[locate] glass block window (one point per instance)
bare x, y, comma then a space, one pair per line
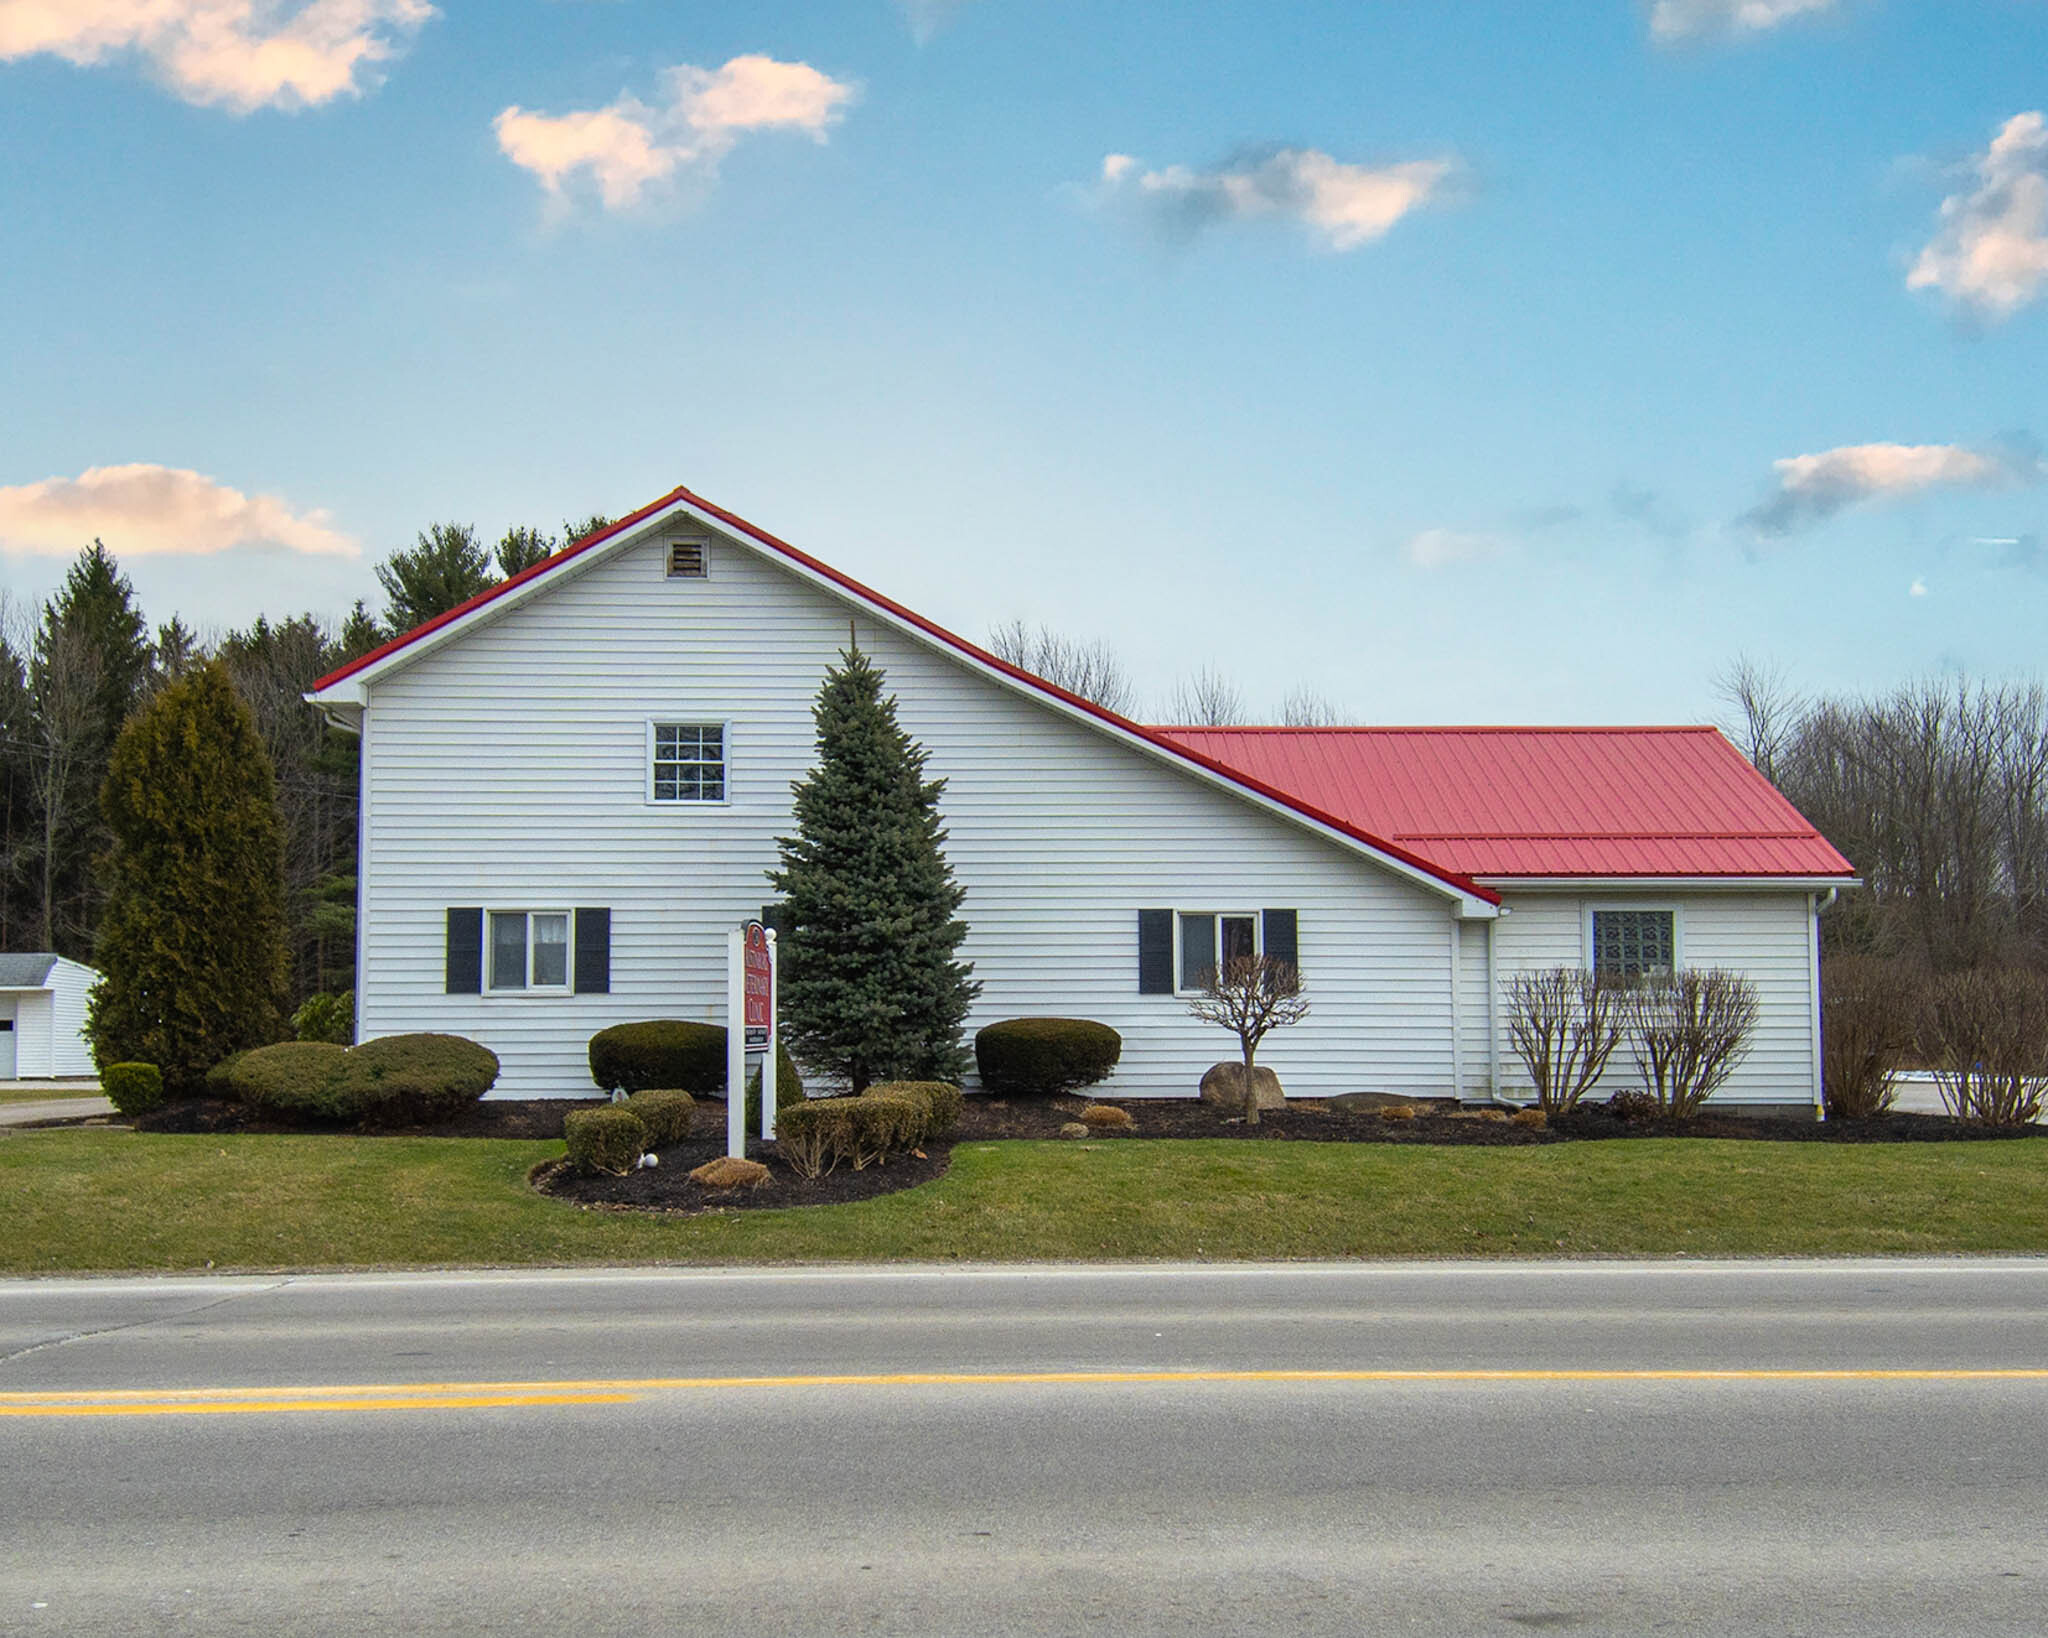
689, 762
1633, 943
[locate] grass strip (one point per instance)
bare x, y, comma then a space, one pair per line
107, 1200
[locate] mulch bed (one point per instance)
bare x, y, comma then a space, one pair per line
509, 1118
667, 1187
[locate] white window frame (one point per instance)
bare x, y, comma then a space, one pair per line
529, 988
1258, 921
1589, 951
685, 803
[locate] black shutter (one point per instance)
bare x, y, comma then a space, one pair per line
466, 952
1155, 952
1281, 941
593, 952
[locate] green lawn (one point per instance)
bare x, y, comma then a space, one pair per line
106, 1200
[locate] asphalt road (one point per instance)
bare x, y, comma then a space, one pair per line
1445, 1449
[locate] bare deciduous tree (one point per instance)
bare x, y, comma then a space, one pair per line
1689, 1031
1251, 996
64, 695
1768, 710
1868, 1007
1564, 1024
1207, 699
1090, 670
1985, 1035
1305, 708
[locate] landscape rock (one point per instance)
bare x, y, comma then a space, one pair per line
730, 1172
1073, 1129
1223, 1086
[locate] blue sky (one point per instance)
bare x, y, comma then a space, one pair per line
1462, 362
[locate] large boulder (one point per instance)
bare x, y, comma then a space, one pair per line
1224, 1086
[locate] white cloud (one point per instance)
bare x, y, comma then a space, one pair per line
1439, 548
1345, 205
1690, 19
236, 54
1991, 252
142, 510
627, 147
1917, 589
1812, 488
927, 17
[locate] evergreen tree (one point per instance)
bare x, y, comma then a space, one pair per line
870, 987
445, 567
574, 530
192, 946
89, 666
522, 548
359, 634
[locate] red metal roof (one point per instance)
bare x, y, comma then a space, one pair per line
1515, 802
980, 656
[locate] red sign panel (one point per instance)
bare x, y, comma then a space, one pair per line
758, 996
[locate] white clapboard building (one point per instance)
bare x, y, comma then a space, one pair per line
572, 788
42, 1016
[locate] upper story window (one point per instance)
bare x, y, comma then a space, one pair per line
687, 761
1635, 943
529, 950
1211, 940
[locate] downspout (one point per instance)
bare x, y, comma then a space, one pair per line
1457, 1012
1493, 1011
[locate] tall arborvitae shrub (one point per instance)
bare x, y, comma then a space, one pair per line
870, 988
192, 945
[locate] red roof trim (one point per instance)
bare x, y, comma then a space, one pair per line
980, 655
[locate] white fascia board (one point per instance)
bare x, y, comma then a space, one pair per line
1469, 906
1665, 884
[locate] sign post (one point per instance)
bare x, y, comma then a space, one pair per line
771, 1090
750, 1005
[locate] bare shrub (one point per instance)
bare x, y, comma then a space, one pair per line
1251, 996
1985, 1035
1868, 1008
1689, 1031
1564, 1024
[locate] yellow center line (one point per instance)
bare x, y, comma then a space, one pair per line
215, 1401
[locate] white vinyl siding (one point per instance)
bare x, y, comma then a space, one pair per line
1059, 834
49, 1023
1762, 934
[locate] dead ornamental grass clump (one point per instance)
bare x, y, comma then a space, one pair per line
1398, 1112
730, 1172
1104, 1118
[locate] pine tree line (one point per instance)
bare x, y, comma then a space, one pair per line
76, 668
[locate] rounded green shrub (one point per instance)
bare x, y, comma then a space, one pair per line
396, 1080
415, 1079
940, 1102
665, 1113
133, 1089
660, 1052
1043, 1057
609, 1138
327, 1018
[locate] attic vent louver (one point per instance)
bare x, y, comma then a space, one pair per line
686, 560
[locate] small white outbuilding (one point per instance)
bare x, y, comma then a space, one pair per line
42, 1017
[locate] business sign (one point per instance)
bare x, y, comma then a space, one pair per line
757, 1012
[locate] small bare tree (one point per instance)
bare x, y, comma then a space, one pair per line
1689, 1031
1985, 1035
1208, 699
1251, 996
1868, 1008
1564, 1024
1305, 708
1090, 670
64, 695
1769, 708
